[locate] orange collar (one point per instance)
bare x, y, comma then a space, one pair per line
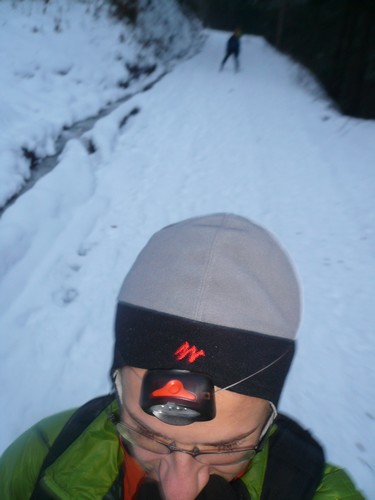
133, 475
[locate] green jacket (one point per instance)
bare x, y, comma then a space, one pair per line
90, 468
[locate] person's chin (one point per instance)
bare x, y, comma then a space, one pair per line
228, 476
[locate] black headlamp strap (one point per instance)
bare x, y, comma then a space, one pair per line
255, 373
178, 397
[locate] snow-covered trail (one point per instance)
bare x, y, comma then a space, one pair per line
255, 143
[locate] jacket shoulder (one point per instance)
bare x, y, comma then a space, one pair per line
263, 481
22, 460
337, 485
86, 459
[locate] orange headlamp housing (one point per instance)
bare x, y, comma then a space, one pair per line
178, 397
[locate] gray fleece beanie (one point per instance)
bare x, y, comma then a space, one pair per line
216, 295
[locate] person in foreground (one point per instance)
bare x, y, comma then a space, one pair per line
205, 333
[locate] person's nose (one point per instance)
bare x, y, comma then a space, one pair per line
181, 477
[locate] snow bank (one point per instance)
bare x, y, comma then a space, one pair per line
63, 61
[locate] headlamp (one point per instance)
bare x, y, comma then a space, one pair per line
178, 397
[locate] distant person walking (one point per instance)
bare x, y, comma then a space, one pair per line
233, 49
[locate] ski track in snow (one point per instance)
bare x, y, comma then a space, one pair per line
206, 141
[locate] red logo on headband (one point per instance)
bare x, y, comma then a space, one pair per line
192, 352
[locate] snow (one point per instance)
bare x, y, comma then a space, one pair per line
264, 143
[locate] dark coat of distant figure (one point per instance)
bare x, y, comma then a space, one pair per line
232, 49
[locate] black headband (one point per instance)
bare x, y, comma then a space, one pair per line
154, 340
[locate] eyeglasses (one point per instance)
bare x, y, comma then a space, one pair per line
231, 456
